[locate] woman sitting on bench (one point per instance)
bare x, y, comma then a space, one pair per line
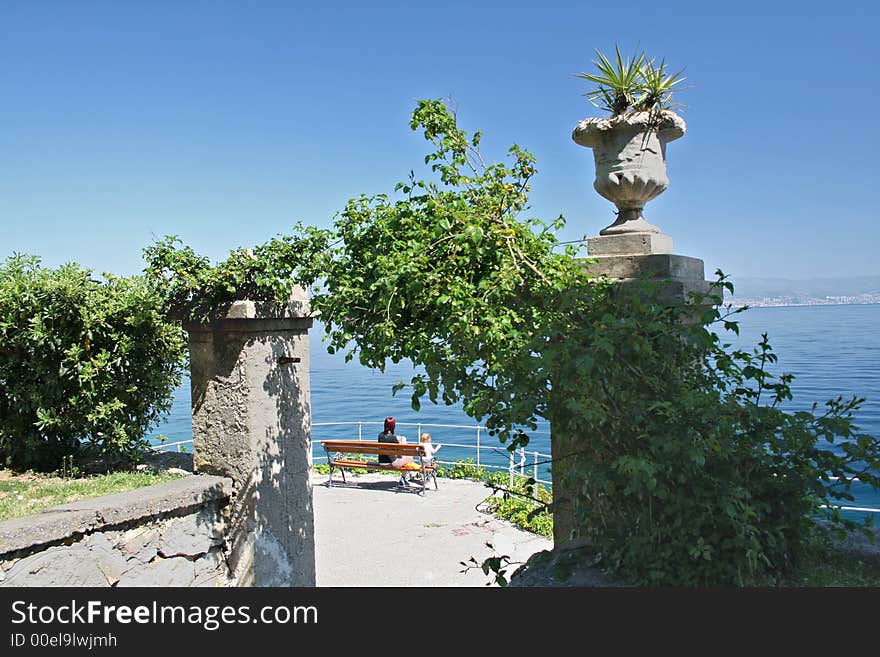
396, 462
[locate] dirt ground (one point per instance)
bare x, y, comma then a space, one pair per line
9, 475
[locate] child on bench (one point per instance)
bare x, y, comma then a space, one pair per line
427, 460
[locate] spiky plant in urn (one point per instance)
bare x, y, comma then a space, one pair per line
629, 147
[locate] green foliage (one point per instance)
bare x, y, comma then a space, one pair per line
635, 83
84, 364
657, 86
828, 564
619, 83
694, 475
518, 505
497, 564
195, 290
446, 275
682, 465
522, 502
463, 469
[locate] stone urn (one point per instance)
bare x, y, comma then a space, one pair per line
630, 154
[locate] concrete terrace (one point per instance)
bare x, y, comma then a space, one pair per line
362, 527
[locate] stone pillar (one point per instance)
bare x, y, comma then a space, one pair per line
251, 412
626, 258
630, 257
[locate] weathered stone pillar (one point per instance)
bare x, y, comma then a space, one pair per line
627, 258
252, 423
631, 257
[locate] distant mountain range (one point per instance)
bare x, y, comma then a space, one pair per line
755, 291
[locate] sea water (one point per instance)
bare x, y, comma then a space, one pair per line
831, 350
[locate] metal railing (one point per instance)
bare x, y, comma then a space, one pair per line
520, 462
179, 445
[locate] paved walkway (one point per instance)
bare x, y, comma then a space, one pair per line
362, 526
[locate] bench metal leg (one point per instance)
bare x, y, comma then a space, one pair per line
330, 475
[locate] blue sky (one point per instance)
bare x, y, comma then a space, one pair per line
225, 123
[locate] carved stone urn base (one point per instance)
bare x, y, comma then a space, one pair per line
628, 222
629, 244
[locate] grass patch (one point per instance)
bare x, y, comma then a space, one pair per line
26, 494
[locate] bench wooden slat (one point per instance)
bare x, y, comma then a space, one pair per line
343, 463
370, 447
373, 465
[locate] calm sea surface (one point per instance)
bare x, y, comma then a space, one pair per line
831, 350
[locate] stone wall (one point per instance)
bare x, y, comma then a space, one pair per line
170, 534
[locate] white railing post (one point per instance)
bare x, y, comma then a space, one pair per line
510, 469
535, 477
522, 461
478, 447
419, 432
360, 430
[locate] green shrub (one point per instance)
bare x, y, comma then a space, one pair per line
463, 469
523, 513
85, 365
194, 289
523, 502
516, 501
693, 474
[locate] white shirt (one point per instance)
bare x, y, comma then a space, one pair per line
430, 449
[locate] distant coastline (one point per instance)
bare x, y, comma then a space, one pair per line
764, 292
775, 302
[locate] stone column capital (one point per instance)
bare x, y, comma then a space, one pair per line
257, 316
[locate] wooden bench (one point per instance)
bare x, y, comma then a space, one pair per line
337, 449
